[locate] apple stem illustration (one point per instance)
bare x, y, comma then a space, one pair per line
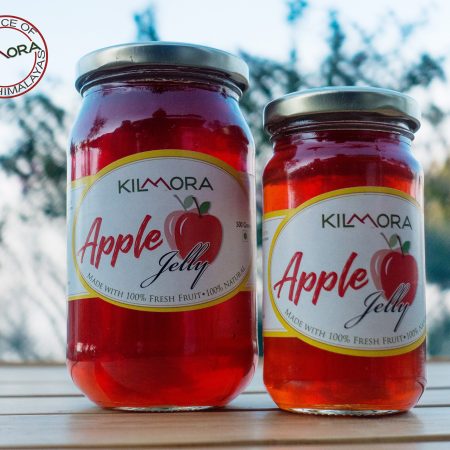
401, 244
386, 239
198, 206
202, 208
396, 239
179, 200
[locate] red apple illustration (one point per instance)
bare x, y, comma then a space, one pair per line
391, 268
185, 229
171, 220
375, 266
169, 227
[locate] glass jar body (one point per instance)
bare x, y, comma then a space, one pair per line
158, 358
300, 373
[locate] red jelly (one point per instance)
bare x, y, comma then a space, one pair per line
344, 311
161, 229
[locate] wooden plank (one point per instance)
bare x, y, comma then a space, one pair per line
55, 380
435, 397
257, 383
438, 375
81, 405
59, 373
36, 381
218, 429
245, 402
262, 401
31, 374
39, 389
44, 402
49, 405
408, 446
331, 446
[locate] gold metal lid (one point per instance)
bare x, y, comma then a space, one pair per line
312, 103
104, 62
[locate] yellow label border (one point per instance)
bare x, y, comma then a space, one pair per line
291, 331
90, 180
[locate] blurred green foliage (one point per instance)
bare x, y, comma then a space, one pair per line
37, 158
437, 213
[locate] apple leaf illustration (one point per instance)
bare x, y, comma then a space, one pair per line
204, 207
188, 201
405, 247
393, 241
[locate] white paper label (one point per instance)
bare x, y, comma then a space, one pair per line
345, 272
163, 231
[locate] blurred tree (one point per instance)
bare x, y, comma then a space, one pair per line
33, 283
438, 336
360, 62
37, 157
145, 22
352, 56
437, 212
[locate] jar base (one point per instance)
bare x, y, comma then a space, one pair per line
344, 412
160, 409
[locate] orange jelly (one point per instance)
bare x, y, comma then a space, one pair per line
161, 311
344, 306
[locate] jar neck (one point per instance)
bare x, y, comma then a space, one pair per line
164, 79
339, 133
342, 121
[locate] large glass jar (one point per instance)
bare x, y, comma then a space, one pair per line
161, 229
344, 305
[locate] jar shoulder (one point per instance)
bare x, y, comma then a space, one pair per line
116, 122
364, 158
159, 110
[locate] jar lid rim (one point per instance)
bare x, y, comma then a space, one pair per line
161, 54
312, 103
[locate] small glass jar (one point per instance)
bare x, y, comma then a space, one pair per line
161, 228
344, 300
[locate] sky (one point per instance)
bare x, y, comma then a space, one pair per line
75, 28
72, 29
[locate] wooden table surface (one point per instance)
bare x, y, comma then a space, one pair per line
41, 408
